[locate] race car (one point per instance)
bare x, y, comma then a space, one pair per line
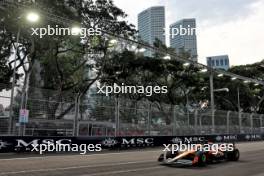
199, 157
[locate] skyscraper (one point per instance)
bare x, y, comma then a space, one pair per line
151, 24
183, 36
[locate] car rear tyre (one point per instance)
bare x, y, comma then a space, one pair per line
201, 159
234, 155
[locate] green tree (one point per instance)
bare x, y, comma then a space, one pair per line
251, 95
63, 59
183, 82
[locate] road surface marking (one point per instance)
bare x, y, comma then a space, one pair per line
123, 171
74, 155
73, 167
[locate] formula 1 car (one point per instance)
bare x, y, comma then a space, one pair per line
198, 158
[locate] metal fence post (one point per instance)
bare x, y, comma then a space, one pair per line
117, 116
195, 121
228, 122
261, 122
76, 114
149, 117
213, 131
174, 120
199, 118
240, 121
251, 122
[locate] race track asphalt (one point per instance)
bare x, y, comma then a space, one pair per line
129, 163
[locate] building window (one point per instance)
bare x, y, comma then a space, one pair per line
221, 62
208, 63
217, 62
226, 61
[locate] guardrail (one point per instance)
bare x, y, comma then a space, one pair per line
26, 143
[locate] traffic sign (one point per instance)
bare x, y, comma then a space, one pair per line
23, 116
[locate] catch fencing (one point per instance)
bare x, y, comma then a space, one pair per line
55, 113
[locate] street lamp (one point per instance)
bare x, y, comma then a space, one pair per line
217, 90
204, 70
133, 47
220, 75
113, 41
221, 90
186, 64
31, 17
76, 30
167, 57
141, 50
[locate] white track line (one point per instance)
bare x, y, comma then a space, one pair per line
95, 154
72, 167
75, 155
123, 171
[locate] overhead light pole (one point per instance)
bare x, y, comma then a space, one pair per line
10, 126
239, 110
212, 90
31, 17
212, 100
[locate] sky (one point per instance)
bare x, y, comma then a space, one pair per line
233, 27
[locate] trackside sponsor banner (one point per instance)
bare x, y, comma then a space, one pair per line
27, 143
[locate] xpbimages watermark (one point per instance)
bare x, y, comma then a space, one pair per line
62, 31
125, 89
59, 147
181, 31
210, 147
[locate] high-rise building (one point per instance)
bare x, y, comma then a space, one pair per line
183, 36
151, 25
220, 62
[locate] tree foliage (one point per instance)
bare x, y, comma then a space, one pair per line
59, 62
